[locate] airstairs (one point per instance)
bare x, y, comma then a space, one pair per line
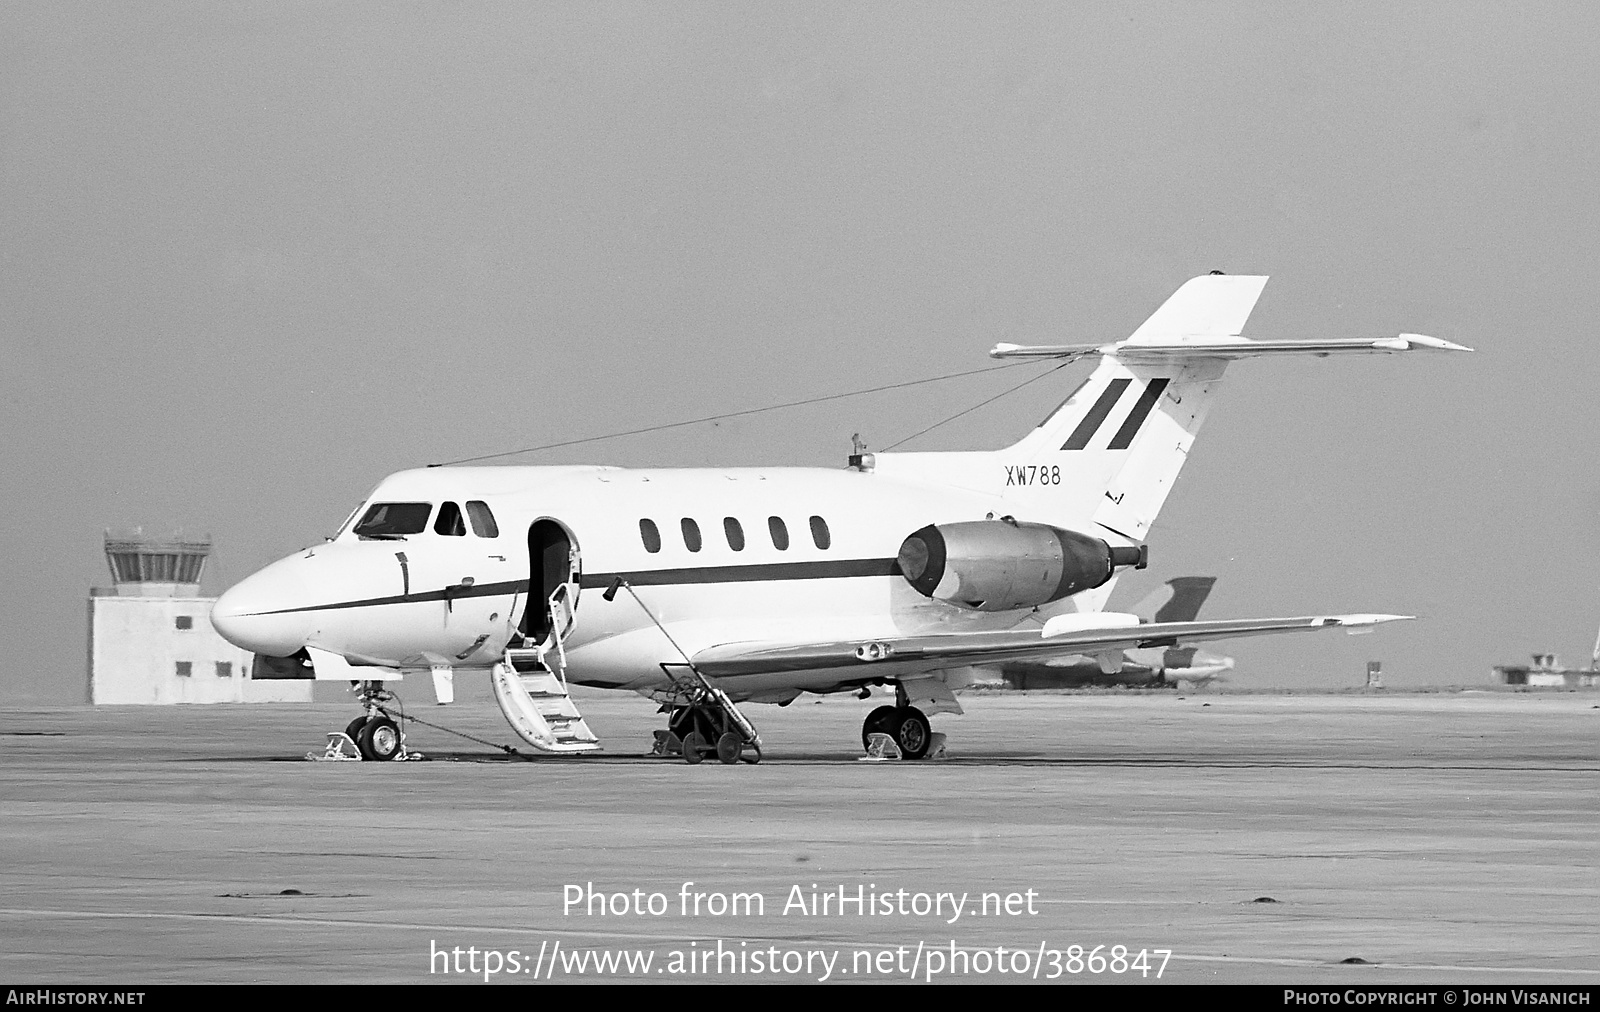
531, 687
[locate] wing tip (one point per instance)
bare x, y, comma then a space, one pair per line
1364, 620
1436, 343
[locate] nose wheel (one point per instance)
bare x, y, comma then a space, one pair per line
377, 738
380, 740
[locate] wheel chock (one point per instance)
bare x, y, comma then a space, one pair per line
881, 748
666, 745
335, 750
341, 749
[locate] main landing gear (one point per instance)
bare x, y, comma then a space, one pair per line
906, 724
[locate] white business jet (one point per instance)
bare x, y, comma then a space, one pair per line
702, 588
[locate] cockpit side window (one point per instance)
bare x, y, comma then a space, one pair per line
450, 522
394, 519
483, 524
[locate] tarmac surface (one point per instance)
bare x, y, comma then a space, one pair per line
1439, 838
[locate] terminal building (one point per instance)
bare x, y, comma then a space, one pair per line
1546, 672
150, 634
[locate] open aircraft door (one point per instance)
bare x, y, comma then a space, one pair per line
555, 568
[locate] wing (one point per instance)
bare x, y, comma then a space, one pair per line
893, 656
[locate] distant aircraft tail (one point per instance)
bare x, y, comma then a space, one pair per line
1177, 600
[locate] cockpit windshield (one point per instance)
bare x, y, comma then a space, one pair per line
394, 520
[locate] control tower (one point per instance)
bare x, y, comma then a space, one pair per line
148, 567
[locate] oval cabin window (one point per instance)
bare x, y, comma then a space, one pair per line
650, 534
819, 533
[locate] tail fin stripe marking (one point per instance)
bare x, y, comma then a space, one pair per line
1136, 417
1096, 417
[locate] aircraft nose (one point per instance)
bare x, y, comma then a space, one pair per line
258, 613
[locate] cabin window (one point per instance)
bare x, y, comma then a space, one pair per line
483, 524
735, 532
450, 522
184, 669
650, 534
780, 533
394, 519
184, 621
691, 534
224, 669
819, 533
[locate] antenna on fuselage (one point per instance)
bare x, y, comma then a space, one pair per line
859, 458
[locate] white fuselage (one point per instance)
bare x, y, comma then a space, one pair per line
457, 600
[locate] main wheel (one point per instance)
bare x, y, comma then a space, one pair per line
729, 746
353, 729
878, 721
693, 748
913, 735
379, 739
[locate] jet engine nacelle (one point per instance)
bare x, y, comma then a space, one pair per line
999, 565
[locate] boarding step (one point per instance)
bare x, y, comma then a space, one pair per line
526, 659
536, 705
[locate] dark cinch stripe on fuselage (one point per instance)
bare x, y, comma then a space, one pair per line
760, 572
827, 570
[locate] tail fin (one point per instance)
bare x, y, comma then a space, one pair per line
1105, 460
1177, 600
1113, 449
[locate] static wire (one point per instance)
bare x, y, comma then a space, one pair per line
777, 407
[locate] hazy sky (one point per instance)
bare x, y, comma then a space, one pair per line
255, 256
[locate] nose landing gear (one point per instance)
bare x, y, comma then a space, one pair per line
373, 737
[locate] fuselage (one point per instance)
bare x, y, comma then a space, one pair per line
715, 555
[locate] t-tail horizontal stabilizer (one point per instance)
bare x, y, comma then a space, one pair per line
1203, 319
1225, 347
